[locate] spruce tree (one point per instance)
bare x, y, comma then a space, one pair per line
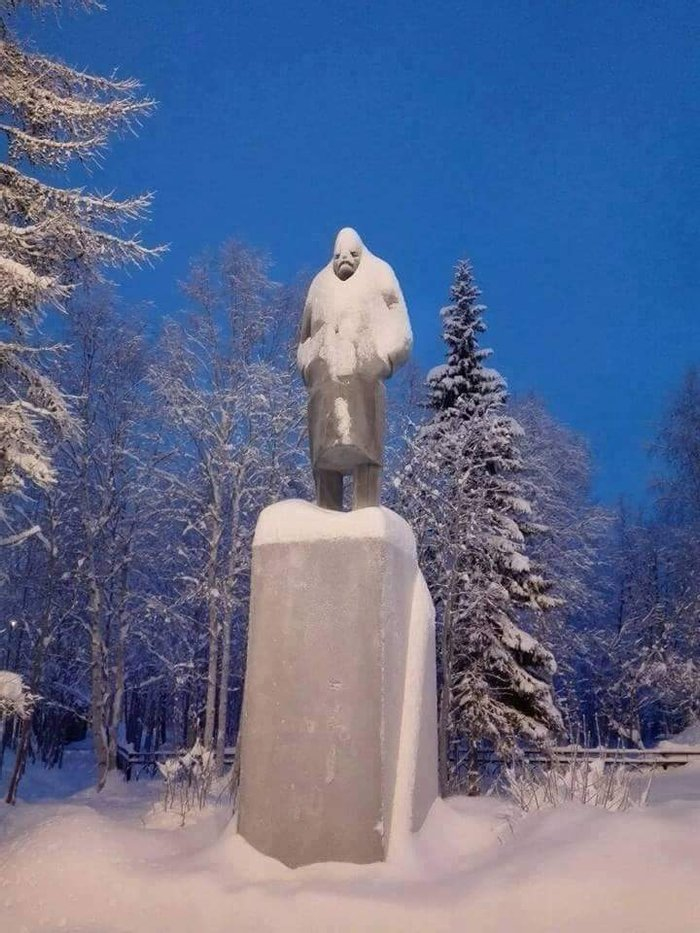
473, 521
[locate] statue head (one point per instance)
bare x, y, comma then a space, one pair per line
347, 253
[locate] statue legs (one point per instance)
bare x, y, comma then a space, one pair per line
329, 489
367, 481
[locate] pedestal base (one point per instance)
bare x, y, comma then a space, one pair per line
338, 736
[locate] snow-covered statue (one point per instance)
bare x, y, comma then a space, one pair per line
355, 333
338, 762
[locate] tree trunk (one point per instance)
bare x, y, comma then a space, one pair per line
443, 739
223, 694
229, 585
20, 761
97, 691
213, 623
38, 653
118, 696
210, 709
445, 694
473, 775
118, 700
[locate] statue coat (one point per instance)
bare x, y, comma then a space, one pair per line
354, 334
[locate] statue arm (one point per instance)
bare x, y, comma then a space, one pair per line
304, 335
399, 334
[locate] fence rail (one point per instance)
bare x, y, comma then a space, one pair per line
633, 757
145, 763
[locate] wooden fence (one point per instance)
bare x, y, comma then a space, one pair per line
145, 763
631, 757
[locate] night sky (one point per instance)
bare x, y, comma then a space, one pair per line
554, 143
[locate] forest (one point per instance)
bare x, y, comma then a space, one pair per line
226, 703
139, 445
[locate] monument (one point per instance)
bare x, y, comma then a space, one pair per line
354, 333
338, 744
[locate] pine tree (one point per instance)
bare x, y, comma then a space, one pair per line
462, 480
50, 237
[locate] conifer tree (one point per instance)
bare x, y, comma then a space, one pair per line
50, 237
473, 521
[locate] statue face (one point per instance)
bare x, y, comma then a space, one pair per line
346, 253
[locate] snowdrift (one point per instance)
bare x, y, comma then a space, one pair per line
101, 864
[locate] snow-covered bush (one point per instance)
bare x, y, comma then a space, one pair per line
15, 697
188, 780
587, 780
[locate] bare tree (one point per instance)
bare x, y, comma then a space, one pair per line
100, 502
234, 410
573, 542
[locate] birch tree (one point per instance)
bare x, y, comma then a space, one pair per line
104, 371
234, 410
575, 547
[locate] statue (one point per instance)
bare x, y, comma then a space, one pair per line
355, 333
338, 737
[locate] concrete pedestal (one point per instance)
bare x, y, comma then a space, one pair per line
338, 736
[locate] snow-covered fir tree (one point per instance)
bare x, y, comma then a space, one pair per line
50, 237
461, 488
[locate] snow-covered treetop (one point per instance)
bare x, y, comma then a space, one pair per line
50, 237
51, 4
463, 383
15, 698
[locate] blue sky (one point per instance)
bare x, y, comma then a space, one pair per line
555, 143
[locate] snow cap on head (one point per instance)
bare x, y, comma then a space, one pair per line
347, 253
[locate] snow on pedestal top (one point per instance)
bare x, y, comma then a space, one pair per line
297, 520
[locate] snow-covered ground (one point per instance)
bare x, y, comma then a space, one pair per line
72, 860
689, 738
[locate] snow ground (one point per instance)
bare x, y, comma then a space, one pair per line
689, 738
73, 860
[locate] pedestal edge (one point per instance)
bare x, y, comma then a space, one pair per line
294, 520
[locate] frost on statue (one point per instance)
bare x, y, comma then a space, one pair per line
354, 334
